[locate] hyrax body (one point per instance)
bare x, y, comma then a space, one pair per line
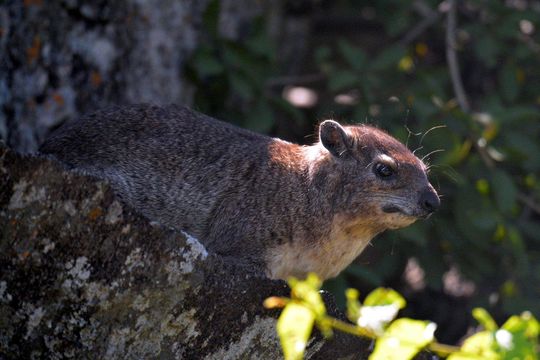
287, 208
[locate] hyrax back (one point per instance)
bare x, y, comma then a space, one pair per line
287, 208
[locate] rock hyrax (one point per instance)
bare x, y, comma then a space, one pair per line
285, 208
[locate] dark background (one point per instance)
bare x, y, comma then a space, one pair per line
458, 81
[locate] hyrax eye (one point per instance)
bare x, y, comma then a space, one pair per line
383, 171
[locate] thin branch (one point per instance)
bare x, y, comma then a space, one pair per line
529, 202
430, 18
451, 57
421, 7
443, 349
531, 44
486, 158
349, 328
416, 31
440, 349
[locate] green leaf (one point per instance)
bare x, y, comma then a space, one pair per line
308, 291
240, 60
355, 56
294, 327
530, 229
207, 65
479, 346
487, 49
457, 154
425, 107
343, 79
526, 147
353, 305
518, 337
474, 213
388, 58
482, 186
403, 339
398, 20
508, 26
513, 114
241, 86
261, 119
504, 190
296, 321
515, 240
508, 84
290, 110
484, 319
385, 296
322, 54
261, 45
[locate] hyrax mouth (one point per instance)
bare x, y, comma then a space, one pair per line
393, 209
390, 209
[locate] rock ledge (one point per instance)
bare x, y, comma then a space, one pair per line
84, 276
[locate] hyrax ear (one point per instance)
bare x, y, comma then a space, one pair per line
334, 137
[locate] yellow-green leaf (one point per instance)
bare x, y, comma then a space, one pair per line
206, 64
483, 317
384, 296
308, 291
294, 328
403, 339
353, 305
518, 337
479, 346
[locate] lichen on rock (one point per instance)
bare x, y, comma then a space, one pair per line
84, 276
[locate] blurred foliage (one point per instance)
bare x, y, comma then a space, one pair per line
399, 339
230, 76
488, 170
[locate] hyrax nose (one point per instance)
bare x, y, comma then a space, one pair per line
429, 200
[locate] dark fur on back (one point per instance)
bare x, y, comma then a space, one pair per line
188, 171
243, 194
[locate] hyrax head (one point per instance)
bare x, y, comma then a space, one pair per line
378, 181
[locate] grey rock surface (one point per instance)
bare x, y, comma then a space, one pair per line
83, 276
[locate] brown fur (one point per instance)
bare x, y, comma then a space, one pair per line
287, 208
